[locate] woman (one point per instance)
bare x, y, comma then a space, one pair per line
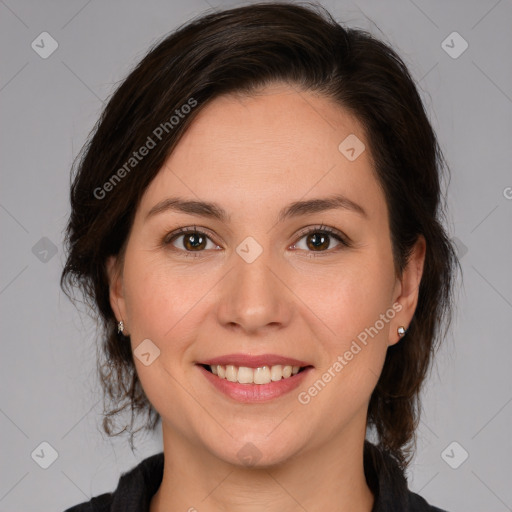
257, 220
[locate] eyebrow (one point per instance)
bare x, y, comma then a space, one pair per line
295, 209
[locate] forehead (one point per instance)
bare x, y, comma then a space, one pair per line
274, 118
267, 148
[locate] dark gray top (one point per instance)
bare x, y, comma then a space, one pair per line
136, 487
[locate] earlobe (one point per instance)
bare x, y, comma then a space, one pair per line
409, 286
411, 276
116, 295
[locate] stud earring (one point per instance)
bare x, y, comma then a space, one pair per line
401, 331
120, 327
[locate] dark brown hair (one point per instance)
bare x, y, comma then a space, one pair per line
242, 50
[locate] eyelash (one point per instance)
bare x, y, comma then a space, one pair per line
326, 230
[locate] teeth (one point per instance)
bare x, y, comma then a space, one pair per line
261, 375
245, 375
231, 373
276, 372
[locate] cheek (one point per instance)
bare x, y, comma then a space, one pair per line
351, 298
356, 306
160, 307
159, 301
354, 347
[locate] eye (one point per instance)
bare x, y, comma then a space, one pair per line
192, 240
319, 238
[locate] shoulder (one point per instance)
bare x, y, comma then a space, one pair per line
134, 490
418, 504
387, 481
100, 503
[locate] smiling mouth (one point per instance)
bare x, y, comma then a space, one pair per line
260, 375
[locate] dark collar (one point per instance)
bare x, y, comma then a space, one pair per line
138, 486
389, 485
386, 481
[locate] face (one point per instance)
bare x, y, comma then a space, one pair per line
266, 286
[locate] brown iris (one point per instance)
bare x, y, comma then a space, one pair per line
321, 241
192, 239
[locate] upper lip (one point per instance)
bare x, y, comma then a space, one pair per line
254, 361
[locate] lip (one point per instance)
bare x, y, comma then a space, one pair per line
255, 393
254, 361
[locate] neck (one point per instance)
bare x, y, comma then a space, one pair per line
327, 477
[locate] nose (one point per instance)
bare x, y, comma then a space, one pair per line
254, 297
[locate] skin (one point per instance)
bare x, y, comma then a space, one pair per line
253, 156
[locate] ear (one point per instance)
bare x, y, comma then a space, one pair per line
116, 289
407, 289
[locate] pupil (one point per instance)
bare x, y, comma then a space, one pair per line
320, 240
190, 240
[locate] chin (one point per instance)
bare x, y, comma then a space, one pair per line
257, 449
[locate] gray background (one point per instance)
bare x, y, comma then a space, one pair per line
48, 387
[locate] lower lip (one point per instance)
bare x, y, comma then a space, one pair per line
248, 393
